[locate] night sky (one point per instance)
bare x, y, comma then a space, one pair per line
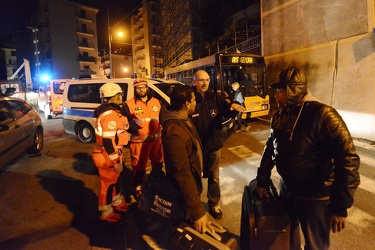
16, 15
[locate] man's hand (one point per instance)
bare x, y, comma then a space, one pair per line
237, 107
202, 224
118, 167
338, 223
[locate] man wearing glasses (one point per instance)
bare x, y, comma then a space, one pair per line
142, 112
207, 118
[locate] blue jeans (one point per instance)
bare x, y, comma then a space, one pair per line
211, 166
312, 217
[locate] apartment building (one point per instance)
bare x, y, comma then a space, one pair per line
167, 33
10, 57
67, 39
146, 49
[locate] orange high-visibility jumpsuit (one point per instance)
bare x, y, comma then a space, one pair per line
146, 144
110, 128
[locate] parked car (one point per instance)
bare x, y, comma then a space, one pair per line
21, 129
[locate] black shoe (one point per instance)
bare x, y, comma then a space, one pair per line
215, 211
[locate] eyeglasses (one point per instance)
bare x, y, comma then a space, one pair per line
140, 88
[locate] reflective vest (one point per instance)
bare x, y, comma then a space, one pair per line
146, 115
112, 125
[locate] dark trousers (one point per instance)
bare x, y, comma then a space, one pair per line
240, 121
211, 166
312, 217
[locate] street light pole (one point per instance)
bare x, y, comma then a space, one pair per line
109, 45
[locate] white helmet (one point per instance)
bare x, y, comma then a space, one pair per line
109, 89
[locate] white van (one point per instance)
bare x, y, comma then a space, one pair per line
50, 97
81, 97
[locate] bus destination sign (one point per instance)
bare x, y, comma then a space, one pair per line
238, 59
242, 59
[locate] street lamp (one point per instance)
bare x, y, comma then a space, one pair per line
119, 34
110, 35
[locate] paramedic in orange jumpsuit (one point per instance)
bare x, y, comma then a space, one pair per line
111, 136
142, 112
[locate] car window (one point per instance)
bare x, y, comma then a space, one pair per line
166, 88
19, 109
5, 116
89, 93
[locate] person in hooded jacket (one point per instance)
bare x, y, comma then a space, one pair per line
111, 137
314, 154
183, 165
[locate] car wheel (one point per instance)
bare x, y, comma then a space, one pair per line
38, 142
86, 133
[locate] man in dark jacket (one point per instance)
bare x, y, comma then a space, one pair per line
183, 164
207, 118
314, 153
184, 161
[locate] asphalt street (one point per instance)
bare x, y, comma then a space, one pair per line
49, 201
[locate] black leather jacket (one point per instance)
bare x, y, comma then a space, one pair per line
314, 154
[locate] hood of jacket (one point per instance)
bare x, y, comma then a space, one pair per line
295, 93
167, 114
104, 107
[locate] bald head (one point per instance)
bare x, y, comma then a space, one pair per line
201, 81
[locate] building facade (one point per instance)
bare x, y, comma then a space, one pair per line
164, 33
168, 33
10, 58
145, 28
333, 42
68, 43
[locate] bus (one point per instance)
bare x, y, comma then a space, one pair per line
50, 97
248, 70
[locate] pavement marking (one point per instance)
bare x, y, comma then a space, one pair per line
360, 218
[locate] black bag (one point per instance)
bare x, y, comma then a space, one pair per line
185, 237
161, 196
264, 222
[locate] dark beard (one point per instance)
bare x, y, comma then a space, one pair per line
137, 95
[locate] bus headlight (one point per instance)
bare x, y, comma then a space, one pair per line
264, 106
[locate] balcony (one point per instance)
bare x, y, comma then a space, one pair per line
85, 46
87, 71
85, 58
85, 19
85, 32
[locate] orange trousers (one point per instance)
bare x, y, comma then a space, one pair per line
109, 185
140, 153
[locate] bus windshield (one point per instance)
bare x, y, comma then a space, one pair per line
250, 78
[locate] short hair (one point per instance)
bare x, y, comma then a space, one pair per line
235, 83
179, 96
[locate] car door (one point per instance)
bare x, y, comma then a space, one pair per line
9, 137
23, 122
17, 128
